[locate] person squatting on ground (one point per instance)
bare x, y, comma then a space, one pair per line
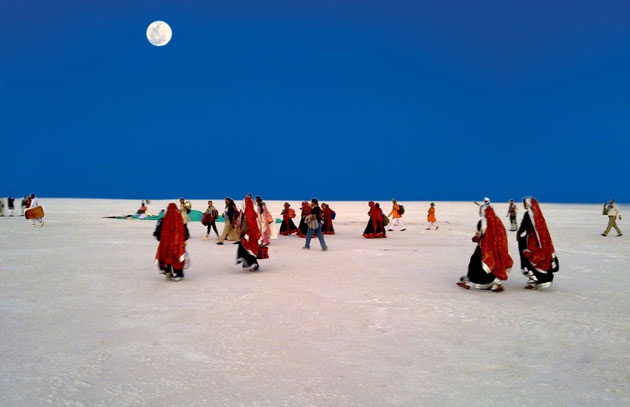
537, 254
431, 217
491, 261
375, 228
250, 237
396, 217
512, 214
613, 212
211, 215
313, 221
171, 251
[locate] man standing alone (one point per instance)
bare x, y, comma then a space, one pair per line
613, 212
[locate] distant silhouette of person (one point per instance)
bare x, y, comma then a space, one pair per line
375, 228
212, 214
512, 214
288, 226
250, 237
316, 213
230, 217
305, 210
11, 205
24, 204
184, 210
431, 217
33, 203
613, 212
396, 217
327, 219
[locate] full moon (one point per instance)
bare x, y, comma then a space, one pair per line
159, 33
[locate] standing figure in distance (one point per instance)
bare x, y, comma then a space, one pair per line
316, 214
303, 227
491, 261
327, 220
265, 220
212, 214
230, 217
431, 217
11, 204
24, 204
250, 236
171, 251
375, 228
613, 213
512, 214
538, 256
32, 203
287, 227
396, 212
184, 209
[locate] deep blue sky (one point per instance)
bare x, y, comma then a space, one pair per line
344, 100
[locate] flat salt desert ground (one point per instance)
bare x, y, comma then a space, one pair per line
87, 320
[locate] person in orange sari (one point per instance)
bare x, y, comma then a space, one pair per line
327, 220
171, 250
491, 261
375, 228
431, 217
250, 237
538, 256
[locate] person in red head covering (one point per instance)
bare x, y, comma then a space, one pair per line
538, 256
375, 228
327, 220
287, 227
303, 227
491, 261
171, 250
250, 237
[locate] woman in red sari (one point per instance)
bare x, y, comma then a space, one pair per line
491, 261
171, 250
288, 227
536, 250
327, 220
303, 227
249, 243
375, 228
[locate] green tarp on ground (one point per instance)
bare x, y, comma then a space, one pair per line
195, 216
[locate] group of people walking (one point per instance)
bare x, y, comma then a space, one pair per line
491, 262
254, 226
379, 224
